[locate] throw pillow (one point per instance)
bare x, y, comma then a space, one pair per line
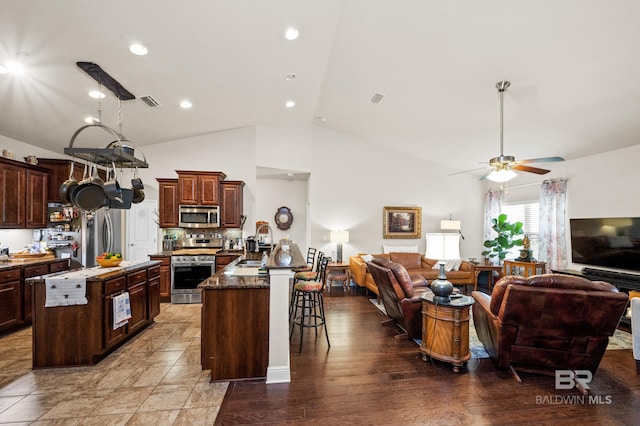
366, 257
451, 265
399, 249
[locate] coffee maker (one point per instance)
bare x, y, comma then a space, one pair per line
250, 244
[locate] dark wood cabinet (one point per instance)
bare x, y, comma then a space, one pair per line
229, 355
23, 195
13, 184
27, 290
59, 171
164, 277
223, 260
138, 301
231, 203
168, 203
197, 188
10, 299
112, 288
154, 296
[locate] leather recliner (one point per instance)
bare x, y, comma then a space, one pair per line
400, 294
548, 322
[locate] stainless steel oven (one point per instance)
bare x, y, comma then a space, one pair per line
187, 272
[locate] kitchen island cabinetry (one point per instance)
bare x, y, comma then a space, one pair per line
168, 203
23, 195
231, 204
196, 188
73, 335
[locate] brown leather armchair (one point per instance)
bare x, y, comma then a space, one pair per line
400, 294
547, 322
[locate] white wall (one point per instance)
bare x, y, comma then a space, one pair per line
274, 193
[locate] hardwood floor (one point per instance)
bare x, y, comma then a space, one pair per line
368, 377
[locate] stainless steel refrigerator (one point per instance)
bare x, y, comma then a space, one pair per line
101, 232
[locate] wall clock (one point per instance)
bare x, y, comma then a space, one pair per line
283, 218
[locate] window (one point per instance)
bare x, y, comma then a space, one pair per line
528, 214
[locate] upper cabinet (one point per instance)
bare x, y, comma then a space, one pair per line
197, 188
168, 203
231, 205
23, 195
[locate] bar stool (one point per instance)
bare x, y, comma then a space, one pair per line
307, 295
312, 275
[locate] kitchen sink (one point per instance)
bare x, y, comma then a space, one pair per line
246, 263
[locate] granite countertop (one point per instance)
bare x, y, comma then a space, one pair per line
196, 251
224, 279
104, 273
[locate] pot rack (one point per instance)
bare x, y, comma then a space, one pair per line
115, 153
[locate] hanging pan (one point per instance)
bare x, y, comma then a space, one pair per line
89, 194
68, 185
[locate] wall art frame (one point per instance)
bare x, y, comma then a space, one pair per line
401, 222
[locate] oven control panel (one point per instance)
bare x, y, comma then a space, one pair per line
192, 259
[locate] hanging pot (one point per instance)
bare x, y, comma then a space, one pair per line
112, 187
89, 195
67, 186
138, 196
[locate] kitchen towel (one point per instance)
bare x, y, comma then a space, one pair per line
65, 291
121, 310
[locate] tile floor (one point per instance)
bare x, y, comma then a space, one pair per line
155, 378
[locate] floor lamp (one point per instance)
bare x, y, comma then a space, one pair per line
339, 237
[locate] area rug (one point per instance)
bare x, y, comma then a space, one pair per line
619, 340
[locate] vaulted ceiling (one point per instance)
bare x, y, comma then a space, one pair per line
573, 66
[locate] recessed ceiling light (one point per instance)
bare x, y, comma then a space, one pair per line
91, 120
291, 34
97, 94
185, 104
138, 49
15, 68
290, 77
290, 104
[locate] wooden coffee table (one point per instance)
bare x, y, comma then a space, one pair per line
445, 330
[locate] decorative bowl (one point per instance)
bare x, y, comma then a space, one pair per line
108, 263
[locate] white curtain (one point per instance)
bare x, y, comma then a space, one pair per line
552, 228
492, 207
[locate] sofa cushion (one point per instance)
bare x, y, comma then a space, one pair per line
402, 277
408, 260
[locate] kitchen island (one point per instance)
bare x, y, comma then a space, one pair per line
84, 333
245, 318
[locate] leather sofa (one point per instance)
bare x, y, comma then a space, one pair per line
400, 294
547, 322
415, 264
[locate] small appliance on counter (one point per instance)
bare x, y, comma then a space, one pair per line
250, 244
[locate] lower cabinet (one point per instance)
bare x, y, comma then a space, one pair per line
154, 296
164, 272
10, 304
112, 288
225, 259
138, 301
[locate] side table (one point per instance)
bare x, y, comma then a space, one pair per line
445, 330
339, 266
478, 269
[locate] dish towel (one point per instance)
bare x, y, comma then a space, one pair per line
65, 291
121, 310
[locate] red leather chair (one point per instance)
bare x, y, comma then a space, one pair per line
400, 294
547, 322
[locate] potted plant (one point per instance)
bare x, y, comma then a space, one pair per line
506, 239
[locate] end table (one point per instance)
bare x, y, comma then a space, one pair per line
445, 330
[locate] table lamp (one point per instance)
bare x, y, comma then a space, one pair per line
451, 225
339, 237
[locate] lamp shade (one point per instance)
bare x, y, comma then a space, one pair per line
339, 236
443, 246
501, 175
450, 224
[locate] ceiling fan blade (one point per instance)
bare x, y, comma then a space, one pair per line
540, 160
466, 171
530, 169
484, 176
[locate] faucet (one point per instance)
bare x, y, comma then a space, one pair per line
270, 235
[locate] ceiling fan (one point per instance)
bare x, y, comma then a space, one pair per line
503, 166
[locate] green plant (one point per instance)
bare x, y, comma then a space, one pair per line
506, 239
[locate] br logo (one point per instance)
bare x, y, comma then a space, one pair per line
568, 379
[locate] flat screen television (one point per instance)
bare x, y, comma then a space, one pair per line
612, 242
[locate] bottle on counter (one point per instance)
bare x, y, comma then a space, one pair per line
263, 262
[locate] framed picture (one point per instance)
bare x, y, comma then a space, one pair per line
402, 222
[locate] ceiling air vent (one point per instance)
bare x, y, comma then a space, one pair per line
150, 101
376, 97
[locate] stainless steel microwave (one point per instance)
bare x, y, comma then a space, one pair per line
199, 216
